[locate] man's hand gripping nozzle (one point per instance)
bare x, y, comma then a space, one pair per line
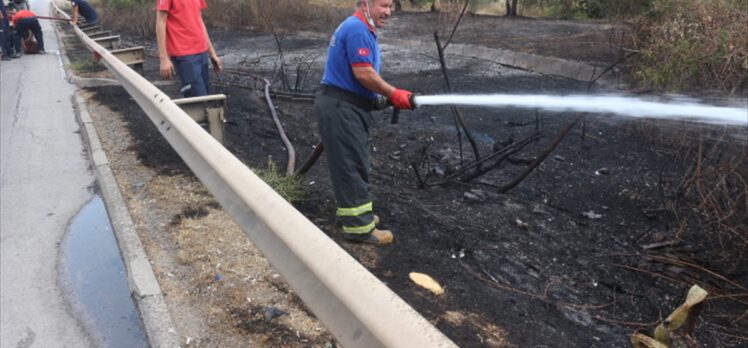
382, 102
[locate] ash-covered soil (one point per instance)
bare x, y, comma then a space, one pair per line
604, 238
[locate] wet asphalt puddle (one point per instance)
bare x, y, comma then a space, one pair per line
93, 275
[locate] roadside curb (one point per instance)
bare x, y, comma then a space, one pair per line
141, 280
145, 289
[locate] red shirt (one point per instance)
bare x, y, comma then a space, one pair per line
184, 26
21, 15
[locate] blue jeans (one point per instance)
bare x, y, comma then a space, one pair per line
193, 70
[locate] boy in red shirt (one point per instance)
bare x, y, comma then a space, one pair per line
23, 22
184, 45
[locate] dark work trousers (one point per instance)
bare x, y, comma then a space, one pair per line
345, 134
23, 26
5, 36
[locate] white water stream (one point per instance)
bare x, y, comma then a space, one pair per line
625, 106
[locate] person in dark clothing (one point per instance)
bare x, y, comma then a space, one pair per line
18, 5
5, 35
350, 86
81, 8
24, 22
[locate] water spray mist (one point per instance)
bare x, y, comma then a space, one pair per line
625, 106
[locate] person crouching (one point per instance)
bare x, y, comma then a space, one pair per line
25, 22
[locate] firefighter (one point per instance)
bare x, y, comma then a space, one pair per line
350, 86
25, 21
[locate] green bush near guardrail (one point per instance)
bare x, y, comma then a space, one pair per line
290, 187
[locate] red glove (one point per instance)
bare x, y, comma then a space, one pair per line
402, 99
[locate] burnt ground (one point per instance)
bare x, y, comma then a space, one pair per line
604, 238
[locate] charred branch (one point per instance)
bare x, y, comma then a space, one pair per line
457, 24
488, 278
459, 120
502, 153
552, 146
421, 183
608, 69
312, 159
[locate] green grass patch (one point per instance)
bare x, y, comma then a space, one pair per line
80, 67
290, 187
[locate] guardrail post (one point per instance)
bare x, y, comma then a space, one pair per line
133, 56
86, 25
99, 34
90, 28
210, 109
109, 42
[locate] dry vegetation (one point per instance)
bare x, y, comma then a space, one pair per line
709, 199
695, 44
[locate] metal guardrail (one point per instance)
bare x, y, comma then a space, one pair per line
209, 110
357, 308
98, 34
89, 28
109, 42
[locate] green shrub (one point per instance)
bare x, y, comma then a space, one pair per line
290, 187
699, 43
613, 8
84, 66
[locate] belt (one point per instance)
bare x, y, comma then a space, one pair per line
347, 96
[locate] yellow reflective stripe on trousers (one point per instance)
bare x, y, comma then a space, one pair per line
359, 229
355, 211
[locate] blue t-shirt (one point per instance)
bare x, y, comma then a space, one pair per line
353, 44
86, 10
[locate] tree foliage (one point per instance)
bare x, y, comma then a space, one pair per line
590, 8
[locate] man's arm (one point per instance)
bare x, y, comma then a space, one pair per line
217, 65
74, 20
368, 77
372, 81
166, 69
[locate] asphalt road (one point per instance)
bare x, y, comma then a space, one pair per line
44, 180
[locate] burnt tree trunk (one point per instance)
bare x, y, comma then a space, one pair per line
511, 8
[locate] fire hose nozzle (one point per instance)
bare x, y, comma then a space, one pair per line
380, 103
